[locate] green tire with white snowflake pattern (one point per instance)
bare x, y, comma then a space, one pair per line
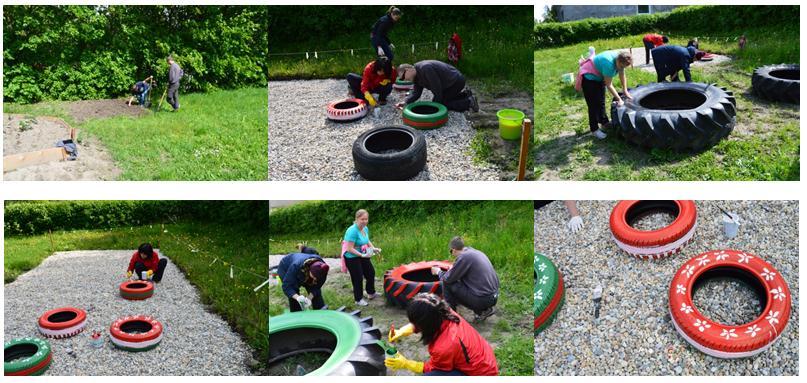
548, 294
26, 356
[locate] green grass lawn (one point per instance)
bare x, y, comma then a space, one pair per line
763, 146
215, 136
501, 229
233, 299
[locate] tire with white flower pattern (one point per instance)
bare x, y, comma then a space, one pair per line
26, 356
653, 244
62, 322
548, 294
724, 341
136, 333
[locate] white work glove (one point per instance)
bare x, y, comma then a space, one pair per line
435, 270
575, 224
304, 302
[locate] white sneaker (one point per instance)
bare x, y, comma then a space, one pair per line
362, 303
600, 134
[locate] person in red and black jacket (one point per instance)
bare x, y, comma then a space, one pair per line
652, 40
377, 77
146, 259
455, 348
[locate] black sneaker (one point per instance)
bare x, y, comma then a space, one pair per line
480, 317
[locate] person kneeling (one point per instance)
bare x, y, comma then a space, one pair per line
445, 82
377, 77
145, 259
298, 270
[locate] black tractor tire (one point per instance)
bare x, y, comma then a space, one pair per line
777, 82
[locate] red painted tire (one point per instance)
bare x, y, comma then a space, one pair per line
350, 109
136, 333
136, 290
425, 125
723, 341
653, 244
62, 322
402, 283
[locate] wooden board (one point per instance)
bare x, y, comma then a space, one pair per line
16, 161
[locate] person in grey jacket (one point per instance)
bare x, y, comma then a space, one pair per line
471, 282
175, 73
445, 82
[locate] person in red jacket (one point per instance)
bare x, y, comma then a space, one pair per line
146, 259
377, 77
455, 348
652, 40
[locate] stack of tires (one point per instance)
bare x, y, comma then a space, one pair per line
548, 294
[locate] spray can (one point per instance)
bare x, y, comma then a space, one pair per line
144, 275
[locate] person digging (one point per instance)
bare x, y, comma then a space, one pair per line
377, 77
455, 347
146, 260
298, 270
140, 91
471, 281
671, 59
445, 82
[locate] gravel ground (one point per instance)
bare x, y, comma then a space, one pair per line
634, 334
639, 61
195, 341
304, 145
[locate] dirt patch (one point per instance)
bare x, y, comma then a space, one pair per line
23, 133
85, 110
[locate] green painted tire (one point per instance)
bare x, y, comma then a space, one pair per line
548, 293
26, 356
352, 341
425, 115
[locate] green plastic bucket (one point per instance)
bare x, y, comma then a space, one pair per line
510, 123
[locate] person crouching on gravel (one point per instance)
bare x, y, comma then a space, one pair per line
670, 59
377, 77
598, 74
650, 41
471, 281
145, 259
298, 270
140, 90
357, 251
379, 35
445, 82
175, 73
455, 348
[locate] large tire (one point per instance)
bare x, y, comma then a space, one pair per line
136, 290
401, 85
777, 82
26, 356
548, 293
425, 115
724, 341
62, 322
351, 341
136, 333
347, 110
653, 244
402, 283
682, 116
389, 153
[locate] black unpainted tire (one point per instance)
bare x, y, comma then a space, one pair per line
389, 153
681, 116
777, 82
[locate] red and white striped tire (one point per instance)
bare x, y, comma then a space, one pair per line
136, 333
136, 290
723, 341
62, 322
653, 244
402, 283
350, 109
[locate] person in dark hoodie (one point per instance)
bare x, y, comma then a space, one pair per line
175, 73
670, 59
298, 270
445, 82
146, 259
379, 35
471, 281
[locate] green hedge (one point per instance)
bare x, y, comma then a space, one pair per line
79, 52
324, 216
714, 19
35, 217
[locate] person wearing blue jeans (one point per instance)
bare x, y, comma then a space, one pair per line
379, 36
140, 90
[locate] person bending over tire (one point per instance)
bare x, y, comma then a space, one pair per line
146, 259
377, 77
379, 35
597, 77
298, 270
455, 348
175, 73
357, 251
140, 91
670, 59
471, 281
652, 40
443, 80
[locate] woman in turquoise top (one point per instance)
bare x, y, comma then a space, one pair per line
608, 64
358, 252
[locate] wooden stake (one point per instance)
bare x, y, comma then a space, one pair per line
526, 135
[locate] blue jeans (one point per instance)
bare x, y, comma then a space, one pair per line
444, 373
141, 98
379, 42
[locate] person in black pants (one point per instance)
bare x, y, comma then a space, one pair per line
175, 73
299, 270
377, 77
594, 93
379, 35
356, 252
145, 259
445, 82
671, 59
